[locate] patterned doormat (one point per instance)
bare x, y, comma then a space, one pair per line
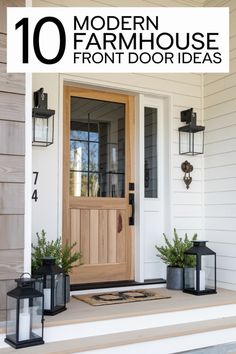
119, 297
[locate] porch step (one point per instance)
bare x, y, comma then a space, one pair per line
178, 337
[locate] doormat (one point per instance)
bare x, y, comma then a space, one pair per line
119, 297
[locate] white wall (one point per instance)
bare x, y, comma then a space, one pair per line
220, 161
45, 161
185, 211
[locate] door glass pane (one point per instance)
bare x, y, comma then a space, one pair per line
150, 153
79, 155
78, 183
97, 148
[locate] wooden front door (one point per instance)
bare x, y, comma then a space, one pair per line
98, 166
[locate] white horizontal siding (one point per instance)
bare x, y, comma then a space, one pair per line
220, 163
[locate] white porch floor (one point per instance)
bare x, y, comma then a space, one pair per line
182, 322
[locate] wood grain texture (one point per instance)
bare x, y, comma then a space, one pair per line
75, 229
12, 138
9, 82
121, 239
112, 228
12, 231
12, 107
11, 264
3, 48
11, 198
3, 13
12, 168
84, 238
93, 236
102, 252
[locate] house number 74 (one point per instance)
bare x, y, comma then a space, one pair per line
35, 192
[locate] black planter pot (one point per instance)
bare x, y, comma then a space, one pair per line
174, 278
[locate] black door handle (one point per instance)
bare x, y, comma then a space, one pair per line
131, 202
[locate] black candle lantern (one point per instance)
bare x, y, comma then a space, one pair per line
43, 120
53, 282
200, 275
191, 135
24, 325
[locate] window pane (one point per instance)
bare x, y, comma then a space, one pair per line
93, 185
93, 132
79, 184
78, 156
93, 156
150, 153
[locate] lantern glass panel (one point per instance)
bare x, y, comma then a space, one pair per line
11, 317
59, 291
48, 292
43, 131
189, 274
208, 272
191, 143
36, 313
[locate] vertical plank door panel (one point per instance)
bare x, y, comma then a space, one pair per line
93, 234
75, 229
102, 256
121, 239
84, 235
112, 229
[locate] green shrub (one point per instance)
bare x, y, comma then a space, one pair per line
172, 253
64, 255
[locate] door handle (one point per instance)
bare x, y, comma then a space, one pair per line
131, 202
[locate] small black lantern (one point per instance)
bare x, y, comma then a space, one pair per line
53, 282
191, 135
201, 279
43, 120
24, 325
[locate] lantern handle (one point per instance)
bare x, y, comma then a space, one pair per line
22, 275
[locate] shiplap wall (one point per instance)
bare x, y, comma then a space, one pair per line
220, 160
12, 150
186, 209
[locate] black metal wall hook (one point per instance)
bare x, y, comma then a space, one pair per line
187, 168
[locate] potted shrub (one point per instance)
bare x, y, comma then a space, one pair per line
172, 254
65, 256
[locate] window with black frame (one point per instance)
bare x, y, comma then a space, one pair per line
150, 153
97, 148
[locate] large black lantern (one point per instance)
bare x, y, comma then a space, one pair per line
201, 278
43, 120
191, 135
53, 282
24, 325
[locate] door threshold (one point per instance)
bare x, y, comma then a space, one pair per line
116, 284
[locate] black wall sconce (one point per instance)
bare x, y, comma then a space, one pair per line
187, 168
191, 135
43, 120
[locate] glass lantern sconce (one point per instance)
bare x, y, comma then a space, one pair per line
200, 275
191, 135
43, 120
24, 324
